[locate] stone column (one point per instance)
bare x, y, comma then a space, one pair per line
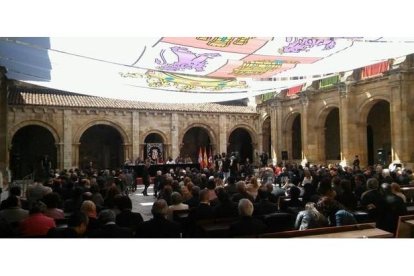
399, 119
175, 144
351, 128
135, 135
278, 134
127, 152
274, 149
141, 152
3, 122
66, 158
306, 147
75, 154
59, 155
222, 133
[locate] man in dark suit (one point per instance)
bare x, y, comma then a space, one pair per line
246, 225
203, 210
394, 207
127, 218
108, 227
264, 206
159, 226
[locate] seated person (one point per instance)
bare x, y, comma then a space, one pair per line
159, 226
203, 210
176, 200
37, 224
224, 208
52, 201
127, 218
246, 225
77, 226
310, 218
13, 214
108, 228
335, 212
264, 206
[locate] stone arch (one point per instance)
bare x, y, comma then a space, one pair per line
155, 131
13, 130
31, 144
289, 118
191, 149
239, 145
365, 107
246, 127
367, 135
287, 132
320, 129
210, 131
94, 122
98, 121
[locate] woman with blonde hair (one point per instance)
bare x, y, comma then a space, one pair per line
310, 218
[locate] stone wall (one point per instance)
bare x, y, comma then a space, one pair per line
68, 124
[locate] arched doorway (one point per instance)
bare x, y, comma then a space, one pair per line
267, 136
154, 141
103, 146
193, 139
30, 144
379, 133
240, 142
296, 138
332, 136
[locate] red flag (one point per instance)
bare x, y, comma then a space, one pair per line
210, 159
205, 165
200, 157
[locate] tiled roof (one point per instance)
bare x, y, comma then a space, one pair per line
49, 97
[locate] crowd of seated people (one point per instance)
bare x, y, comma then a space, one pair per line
97, 205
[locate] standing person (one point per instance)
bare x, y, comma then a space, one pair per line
145, 179
356, 163
225, 166
46, 165
1, 183
158, 183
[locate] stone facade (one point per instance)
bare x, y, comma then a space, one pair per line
353, 99
68, 124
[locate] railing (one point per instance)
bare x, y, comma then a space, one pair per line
24, 183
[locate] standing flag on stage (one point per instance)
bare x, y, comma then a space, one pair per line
210, 160
200, 157
205, 158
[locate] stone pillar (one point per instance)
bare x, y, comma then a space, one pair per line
351, 129
306, 147
3, 122
135, 136
75, 154
127, 152
59, 155
66, 158
222, 133
175, 144
274, 149
141, 152
399, 120
278, 140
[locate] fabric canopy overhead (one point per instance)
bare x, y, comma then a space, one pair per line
186, 69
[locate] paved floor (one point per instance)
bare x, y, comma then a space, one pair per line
142, 204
